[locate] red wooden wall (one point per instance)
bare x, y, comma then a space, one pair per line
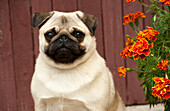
19, 46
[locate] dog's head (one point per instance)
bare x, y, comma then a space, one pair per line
66, 37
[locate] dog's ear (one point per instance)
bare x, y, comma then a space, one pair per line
40, 18
89, 20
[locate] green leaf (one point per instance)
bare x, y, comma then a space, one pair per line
154, 18
153, 13
149, 10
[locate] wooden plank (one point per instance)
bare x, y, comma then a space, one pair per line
64, 5
134, 88
23, 52
148, 15
37, 7
87, 6
7, 77
113, 41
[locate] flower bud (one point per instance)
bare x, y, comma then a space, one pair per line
152, 55
128, 36
153, 69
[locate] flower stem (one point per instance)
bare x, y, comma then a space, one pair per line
143, 3
138, 29
166, 105
130, 69
141, 71
137, 24
160, 9
133, 27
136, 32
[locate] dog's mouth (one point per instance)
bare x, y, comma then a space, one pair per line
64, 52
65, 55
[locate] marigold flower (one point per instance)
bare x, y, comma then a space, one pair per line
124, 53
128, 18
142, 48
132, 17
162, 0
122, 71
138, 15
127, 51
166, 2
129, 42
162, 88
130, 1
163, 64
148, 33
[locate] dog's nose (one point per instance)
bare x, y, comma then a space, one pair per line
63, 38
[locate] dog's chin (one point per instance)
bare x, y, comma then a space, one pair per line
64, 55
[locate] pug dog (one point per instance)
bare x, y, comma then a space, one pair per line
69, 74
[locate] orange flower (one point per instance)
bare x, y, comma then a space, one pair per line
124, 53
122, 71
166, 2
163, 64
128, 18
127, 51
130, 1
132, 17
148, 33
142, 48
162, 88
129, 42
162, 0
138, 15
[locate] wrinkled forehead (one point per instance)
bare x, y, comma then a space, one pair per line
63, 20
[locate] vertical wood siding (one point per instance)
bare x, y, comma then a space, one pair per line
113, 41
7, 75
19, 46
135, 93
22, 51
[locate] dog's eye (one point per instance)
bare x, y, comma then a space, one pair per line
50, 34
78, 34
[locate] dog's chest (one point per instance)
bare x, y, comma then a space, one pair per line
84, 86
61, 82
62, 104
